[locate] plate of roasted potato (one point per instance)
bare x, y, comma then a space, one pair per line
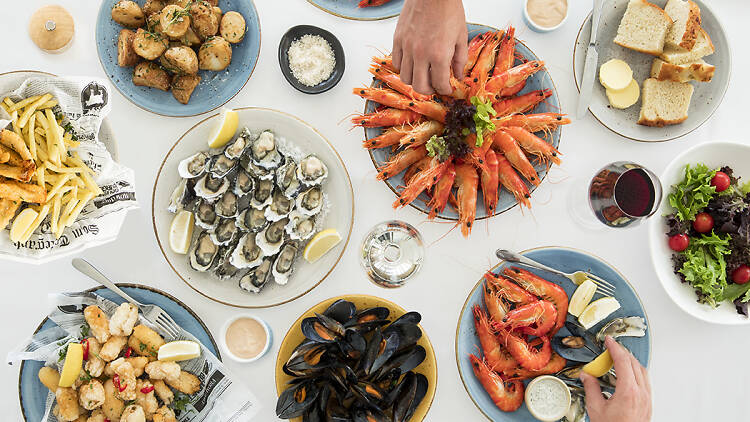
117, 350
178, 57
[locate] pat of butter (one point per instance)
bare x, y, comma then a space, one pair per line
615, 74
624, 98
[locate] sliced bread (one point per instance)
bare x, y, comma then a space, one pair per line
687, 22
678, 55
643, 28
697, 71
664, 102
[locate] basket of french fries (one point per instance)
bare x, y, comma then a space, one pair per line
60, 189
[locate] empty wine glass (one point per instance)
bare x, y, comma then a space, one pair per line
391, 253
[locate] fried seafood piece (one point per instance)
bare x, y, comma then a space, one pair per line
128, 13
205, 21
145, 341
67, 402
175, 21
91, 394
162, 390
138, 363
112, 406
151, 75
16, 143
144, 397
94, 365
123, 320
180, 59
159, 370
153, 6
126, 55
98, 322
165, 414
133, 413
186, 383
124, 379
112, 348
97, 416
8, 210
21, 173
149, 45
183, 87
14, 190
49, 377
215, 54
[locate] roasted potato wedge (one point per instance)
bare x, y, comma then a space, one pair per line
128, 13
152, 75
149, 45
183, 87
126, 55
232, 27
215, 54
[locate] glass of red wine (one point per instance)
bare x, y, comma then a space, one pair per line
621, 194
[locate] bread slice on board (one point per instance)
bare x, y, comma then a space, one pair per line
643, 28
664, 102
678, 55
697, 71
687, 22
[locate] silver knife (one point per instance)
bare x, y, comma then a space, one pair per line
589, 66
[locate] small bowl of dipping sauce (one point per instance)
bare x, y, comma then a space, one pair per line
311, 59
245, 338
547, 398
545, 15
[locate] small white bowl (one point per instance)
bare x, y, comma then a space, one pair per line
225, 348
537, 28
536, 380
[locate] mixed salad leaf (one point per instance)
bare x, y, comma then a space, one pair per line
712, 257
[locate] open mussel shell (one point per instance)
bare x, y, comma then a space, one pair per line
353, 345
203, 253
227, 206
311, 171
205, 215
225, 232
252, 220
341, 310
568, 347
254, 280
194, 166
295, 400
379, 350
369, 415
307, 358
247, 254
401, 363
369, 393
244, 183
634, 326
271, 239
310, 202
210, 187
263, 151
182, 196
322, 329
279, 207
283, 265
578, 331
410, 395
409, 333
368, 319
300, 227
262, 195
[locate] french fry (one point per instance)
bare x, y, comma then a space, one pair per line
58, 185
48, 104
20, 104
32, 137
24, 118
54, 221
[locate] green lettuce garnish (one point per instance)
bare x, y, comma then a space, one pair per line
705, 267
482, 119
436, 147
693, 192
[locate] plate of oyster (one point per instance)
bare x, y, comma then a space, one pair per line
256, 202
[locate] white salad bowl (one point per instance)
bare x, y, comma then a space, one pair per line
714, 155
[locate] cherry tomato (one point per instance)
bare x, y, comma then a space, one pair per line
720, 181
741, 275
703, 222
679, 242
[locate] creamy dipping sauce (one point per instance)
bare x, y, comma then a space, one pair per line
548, 399
246, 338
547, 13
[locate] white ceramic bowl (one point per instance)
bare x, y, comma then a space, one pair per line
712, 154
223, 338
538, 28
556, 381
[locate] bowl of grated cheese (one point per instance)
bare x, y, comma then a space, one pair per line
311, 59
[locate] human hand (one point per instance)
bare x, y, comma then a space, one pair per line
631, 401
430, 38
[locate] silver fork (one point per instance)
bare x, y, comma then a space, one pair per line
603, 287
152, 313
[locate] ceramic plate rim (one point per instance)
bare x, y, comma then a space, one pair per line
353, 18
264, 109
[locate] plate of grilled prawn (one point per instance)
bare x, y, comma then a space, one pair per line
515, 326
475, 153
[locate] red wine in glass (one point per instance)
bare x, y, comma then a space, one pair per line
622, 194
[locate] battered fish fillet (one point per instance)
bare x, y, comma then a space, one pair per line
98, 323
158, 370
123, 320
8, 210
187, 383
16, 143
25, 192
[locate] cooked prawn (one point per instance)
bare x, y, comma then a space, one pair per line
534, 144
466, 182
512, 181
544, 290
512, 151
401, 162
497, 357
490, 182
507, 396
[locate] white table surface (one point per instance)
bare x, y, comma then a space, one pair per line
699, 372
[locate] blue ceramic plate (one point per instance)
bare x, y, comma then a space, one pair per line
506, 201
33, 394
567, 260
350, 9
215, 88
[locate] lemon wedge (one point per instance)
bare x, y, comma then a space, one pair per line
21, 224
72, 366
597, 310
581, 297
181, 231
224, 129
320, 244
179, 350
599, 366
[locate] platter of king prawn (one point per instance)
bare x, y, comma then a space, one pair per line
475, 153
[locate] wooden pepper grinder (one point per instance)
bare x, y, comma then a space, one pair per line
52, 28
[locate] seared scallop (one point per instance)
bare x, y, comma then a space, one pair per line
215, 54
